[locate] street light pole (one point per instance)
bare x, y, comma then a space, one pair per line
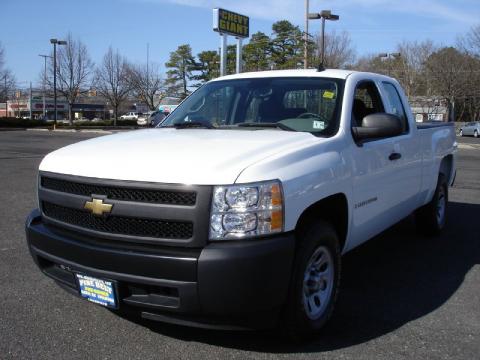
322, 60
55, 42
323, 15
6, 95
44, 84
387, 56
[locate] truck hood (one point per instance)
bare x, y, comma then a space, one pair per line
181, 156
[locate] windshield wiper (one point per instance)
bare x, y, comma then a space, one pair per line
193, 124
265, 125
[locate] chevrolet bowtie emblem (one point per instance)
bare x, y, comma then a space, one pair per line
97, 207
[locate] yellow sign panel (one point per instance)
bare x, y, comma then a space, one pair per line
228, 22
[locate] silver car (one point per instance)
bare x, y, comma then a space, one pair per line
472, 128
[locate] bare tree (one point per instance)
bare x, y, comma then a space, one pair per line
74, 68
449, 71
369, 63
339, 51
147, 84
7, 79
2, 56
410, 67
470, 42
111, 80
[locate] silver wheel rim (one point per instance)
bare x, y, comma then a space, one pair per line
461, 133
441, 203
318, 283
475, 134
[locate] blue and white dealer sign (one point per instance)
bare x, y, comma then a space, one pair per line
99, 291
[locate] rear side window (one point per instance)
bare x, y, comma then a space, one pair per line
396, 104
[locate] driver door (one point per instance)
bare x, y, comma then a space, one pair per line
379, 181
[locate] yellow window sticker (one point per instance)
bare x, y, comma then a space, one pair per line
328, 94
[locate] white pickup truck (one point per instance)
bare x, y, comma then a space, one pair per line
236, 210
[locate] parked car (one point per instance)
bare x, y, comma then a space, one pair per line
142, 119
471, 128
130, 116
235, 212
156, 118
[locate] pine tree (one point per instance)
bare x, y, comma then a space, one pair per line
181, 65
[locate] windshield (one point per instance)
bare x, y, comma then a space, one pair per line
294, 103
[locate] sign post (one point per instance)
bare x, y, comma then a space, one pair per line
223, 54
239, 55
226, 23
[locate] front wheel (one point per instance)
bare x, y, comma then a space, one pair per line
461, 132
431, 218
315, 281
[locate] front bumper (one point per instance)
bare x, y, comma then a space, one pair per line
225, 285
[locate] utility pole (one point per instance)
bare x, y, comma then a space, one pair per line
305, 39
44, 83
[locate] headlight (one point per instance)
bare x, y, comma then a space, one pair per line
246, 210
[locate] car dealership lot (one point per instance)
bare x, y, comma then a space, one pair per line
403, 296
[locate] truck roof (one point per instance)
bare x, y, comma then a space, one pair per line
328, 73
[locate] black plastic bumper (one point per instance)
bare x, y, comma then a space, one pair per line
237, 284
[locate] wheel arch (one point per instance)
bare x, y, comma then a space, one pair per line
333, 209
446, 168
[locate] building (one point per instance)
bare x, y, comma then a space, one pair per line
429, 108
86, 107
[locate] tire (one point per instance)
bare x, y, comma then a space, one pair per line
430, 219
475, 133
461, 132
306, 311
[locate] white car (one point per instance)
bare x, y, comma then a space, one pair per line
130, 116
471, 128
236, 210
142, 119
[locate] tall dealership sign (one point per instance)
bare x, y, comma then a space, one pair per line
226, 23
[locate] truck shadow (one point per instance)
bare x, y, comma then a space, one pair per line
393, 279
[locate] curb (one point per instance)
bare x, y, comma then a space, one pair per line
12, 129
99, 131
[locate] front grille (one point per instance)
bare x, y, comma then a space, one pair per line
172, 197
119, 224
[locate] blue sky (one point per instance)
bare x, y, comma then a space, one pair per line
128, 25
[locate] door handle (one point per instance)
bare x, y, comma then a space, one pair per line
394, 156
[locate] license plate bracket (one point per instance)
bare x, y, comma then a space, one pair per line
99, 291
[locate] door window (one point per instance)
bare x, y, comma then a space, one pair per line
366, 101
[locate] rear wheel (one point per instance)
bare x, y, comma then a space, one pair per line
315, 282
430, 218
461, 132
475, 133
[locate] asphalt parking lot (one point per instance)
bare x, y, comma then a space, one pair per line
403, 296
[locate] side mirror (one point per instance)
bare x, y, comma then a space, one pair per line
378, 125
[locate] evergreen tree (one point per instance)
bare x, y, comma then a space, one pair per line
208, 65
287, 45
257, 52
181, 65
